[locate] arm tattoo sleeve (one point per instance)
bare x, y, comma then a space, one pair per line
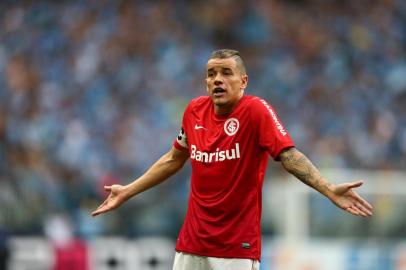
302, 168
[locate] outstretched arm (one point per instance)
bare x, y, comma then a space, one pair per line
161, 170
341, 195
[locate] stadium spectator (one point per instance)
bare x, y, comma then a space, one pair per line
83, 86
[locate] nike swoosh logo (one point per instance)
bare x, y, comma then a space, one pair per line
200, 127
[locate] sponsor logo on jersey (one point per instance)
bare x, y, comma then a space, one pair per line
231, 126
275, 119
218, 155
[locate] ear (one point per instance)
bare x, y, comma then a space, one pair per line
244, 81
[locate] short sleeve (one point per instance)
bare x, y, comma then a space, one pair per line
273, 137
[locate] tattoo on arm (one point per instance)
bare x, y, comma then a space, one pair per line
302, 168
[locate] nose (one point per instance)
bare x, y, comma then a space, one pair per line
218, 79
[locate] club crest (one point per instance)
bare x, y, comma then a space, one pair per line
231, 126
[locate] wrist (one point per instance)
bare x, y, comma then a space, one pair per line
128, 191
329, 190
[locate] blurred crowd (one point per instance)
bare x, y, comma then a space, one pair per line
92, 93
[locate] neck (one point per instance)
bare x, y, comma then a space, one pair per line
222, 109
225, 109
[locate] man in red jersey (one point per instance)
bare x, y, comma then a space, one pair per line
228, 137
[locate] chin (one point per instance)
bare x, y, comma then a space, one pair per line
219, 101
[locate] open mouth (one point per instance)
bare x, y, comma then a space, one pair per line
218, 91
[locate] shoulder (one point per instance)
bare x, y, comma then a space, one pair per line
196, 106
199, 102
258, 105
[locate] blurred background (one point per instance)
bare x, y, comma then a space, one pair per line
93, 92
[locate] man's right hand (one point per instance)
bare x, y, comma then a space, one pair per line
117, 197
167, 165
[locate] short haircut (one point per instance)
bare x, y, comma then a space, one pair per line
228, 53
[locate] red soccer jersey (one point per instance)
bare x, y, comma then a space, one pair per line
229, 155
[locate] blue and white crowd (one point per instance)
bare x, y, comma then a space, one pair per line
92, 93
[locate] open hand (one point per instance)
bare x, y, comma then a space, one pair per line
116, 197
346, 198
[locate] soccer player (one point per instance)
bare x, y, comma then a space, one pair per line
228, 137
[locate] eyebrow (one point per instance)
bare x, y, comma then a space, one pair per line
222, 68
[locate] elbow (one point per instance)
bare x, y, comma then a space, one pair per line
176, 165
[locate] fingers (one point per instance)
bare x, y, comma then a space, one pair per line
98, 212
100, 209
360, 204
356, 184
363, 202
357, 208
363, 209
357, 205
107, 205
353, 210
345, 187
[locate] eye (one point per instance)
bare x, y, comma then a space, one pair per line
227, 72
210, 74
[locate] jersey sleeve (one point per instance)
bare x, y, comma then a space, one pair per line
181, 142
273, 137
